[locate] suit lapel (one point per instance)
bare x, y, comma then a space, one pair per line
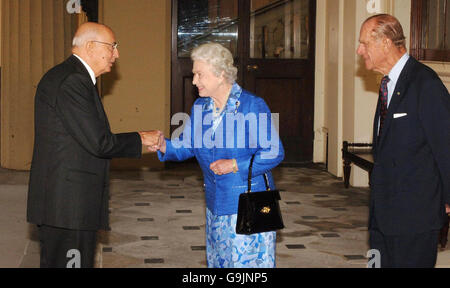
375, 126
399, 92
100, 107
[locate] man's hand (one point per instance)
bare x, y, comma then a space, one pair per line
447, 208
222, 166
150, 138
161, 146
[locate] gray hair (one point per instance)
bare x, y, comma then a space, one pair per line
80, 40
88, 31
219, 57
388, 26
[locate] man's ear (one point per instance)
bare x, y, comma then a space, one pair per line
89, 47
387, 43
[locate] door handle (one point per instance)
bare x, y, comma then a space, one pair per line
252, 67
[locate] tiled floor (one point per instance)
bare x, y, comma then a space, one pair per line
158, 220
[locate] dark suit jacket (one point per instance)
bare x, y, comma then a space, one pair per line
410, 181
72, 149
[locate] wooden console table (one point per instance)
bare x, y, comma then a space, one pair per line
359, 154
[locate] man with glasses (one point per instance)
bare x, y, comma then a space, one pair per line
112, 45
68, 190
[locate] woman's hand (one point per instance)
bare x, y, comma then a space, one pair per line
223, 166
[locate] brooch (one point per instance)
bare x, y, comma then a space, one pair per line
237, 106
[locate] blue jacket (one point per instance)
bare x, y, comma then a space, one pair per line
245, 127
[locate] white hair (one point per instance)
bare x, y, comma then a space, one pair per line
82, 38
219, 57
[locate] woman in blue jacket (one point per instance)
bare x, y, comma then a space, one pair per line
226, 127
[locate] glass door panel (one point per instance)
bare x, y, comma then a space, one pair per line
279, 29
202, 21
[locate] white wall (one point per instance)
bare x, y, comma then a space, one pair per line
319, 97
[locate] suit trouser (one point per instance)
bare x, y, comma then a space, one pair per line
406, 251
64, 248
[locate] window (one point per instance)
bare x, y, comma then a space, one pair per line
430, 30
202, 21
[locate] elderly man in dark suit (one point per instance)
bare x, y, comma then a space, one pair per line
68, 189
410, 181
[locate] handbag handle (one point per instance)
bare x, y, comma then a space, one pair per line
266, 180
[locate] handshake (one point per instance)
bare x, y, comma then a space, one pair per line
154, 140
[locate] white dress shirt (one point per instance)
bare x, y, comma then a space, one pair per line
394, 74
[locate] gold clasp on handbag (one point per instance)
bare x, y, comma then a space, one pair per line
265, 210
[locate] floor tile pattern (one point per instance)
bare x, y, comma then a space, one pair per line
158, 220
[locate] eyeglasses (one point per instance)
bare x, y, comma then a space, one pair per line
113, 45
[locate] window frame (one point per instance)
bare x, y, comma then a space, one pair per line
416, 49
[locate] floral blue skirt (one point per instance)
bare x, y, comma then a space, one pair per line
226, 249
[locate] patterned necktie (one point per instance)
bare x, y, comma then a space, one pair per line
383, 101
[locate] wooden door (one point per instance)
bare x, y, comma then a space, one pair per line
278, 65
273, 45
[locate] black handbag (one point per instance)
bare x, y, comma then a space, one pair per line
258, 211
